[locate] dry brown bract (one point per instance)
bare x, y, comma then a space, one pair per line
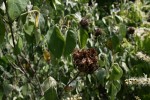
85, 60
84, 23
98, 32
130, 30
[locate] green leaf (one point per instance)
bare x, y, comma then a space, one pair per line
71, 41
101, 74
8, 88
50, 82
145, 46
1, 94
29, 27
30, 39
6, 59
83, 36
19, 46
37, 34
113, 88
115, 41
49, 88
53, 4
113, 92
116, 73
42, 22
2, 31
51, 94
56, 43
16, 7
122, 30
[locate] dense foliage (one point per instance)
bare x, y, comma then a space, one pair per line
74, 49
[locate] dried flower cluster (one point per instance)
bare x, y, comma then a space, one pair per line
85, 60
130, 30
84, 23
98, 32
143, 56
144, 81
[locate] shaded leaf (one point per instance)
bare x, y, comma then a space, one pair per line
1, 94
101, 74
41, 22
145, 45
56, 43
71, 41
115, 41
51, 94
2, 31
83, 36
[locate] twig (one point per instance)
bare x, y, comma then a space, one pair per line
30, 12
73, 79
10, 23
20, 67
13, 38
15, 66
41, 90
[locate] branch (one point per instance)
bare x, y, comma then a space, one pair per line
36, 77
73, 79
10, 24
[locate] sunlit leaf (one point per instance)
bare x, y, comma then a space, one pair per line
16, 7
8, 88
37, 34
116, 73
50, 82
19, 46
1, 95
29, 27
145, 45
122, 30
114, 89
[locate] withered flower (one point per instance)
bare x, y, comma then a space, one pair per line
84, 23
85, 60
130, 30
98, 32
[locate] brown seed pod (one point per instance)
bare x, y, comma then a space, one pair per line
130, 30
84, 23
98, 32
85, 60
